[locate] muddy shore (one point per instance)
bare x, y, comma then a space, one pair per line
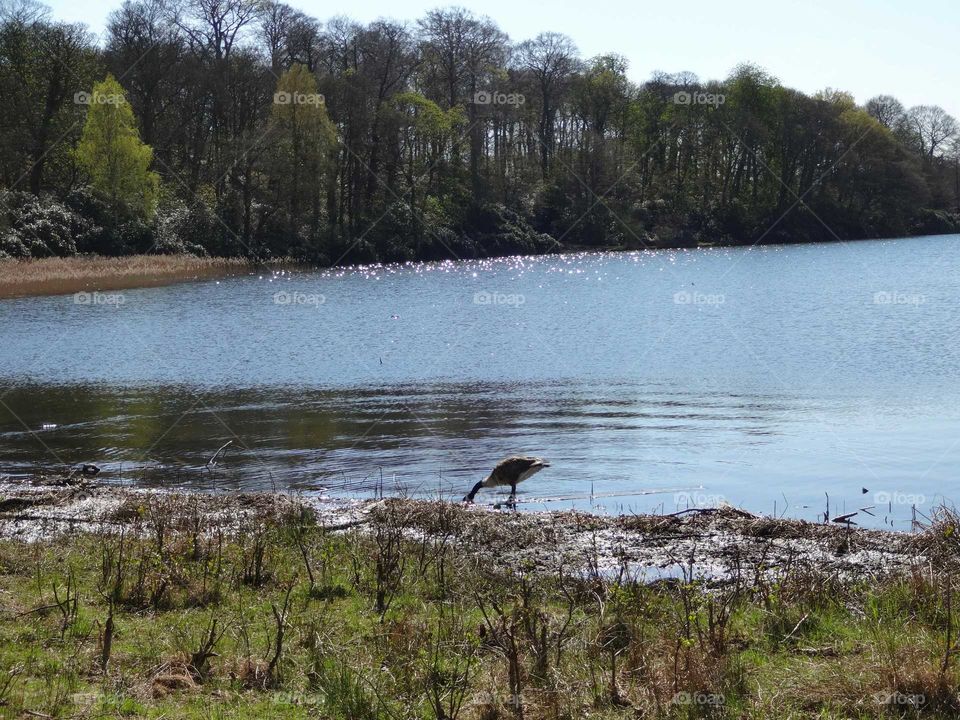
714, 542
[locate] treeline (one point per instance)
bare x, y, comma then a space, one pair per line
247, 128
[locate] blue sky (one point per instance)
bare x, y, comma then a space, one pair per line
867, 47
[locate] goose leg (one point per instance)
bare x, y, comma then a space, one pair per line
513, 495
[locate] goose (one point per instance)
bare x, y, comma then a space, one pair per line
511, 471
85, 469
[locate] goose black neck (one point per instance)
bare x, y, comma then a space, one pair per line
476, 489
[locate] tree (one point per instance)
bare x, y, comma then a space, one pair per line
111, 153
932, 129
601, 97
277, 20
462, 54
551, 58
303, 42
302, 138
147, 54
886, 110
43, 65
428, 129
214, 30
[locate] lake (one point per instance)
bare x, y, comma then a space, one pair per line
765, 377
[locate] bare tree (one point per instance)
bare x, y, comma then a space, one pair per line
145, 52
551, 58
463, 53
932, 128
214, 26
23, 12
886, 110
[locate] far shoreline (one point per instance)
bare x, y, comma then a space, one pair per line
51, 276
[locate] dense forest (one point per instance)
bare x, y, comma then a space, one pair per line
247, 128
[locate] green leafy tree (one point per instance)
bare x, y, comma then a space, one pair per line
111, 153
43, 64
428, 133
302, 138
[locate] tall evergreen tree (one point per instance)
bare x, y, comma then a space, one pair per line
111, 153
301, 137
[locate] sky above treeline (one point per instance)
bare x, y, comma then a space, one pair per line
866, 47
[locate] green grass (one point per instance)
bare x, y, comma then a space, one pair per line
396, 627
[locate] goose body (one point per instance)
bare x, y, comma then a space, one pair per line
85, 469
509, 472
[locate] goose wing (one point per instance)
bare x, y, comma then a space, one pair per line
516, 468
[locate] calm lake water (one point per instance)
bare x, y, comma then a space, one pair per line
762, 377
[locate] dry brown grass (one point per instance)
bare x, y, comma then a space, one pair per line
170, 678
59, 276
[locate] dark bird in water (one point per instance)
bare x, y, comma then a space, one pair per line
510, 472
86, 469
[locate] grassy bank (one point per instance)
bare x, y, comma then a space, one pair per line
189, 606
59, 276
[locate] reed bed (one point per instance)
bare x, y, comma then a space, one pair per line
60, 276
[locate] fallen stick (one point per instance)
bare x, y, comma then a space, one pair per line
795, 628
213, 461
345, 526
6, 517
42, 608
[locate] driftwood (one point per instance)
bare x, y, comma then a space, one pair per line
730, 510
212, 462
845, 518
